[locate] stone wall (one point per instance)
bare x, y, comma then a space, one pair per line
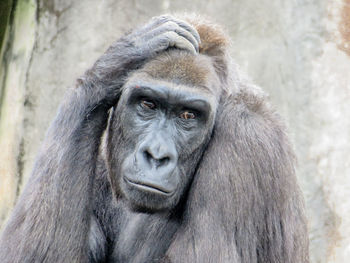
298, 51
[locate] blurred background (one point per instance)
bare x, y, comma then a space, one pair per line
298, 51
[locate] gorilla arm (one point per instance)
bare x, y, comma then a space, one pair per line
51, 220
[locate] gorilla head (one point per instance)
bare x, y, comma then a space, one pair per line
160, 127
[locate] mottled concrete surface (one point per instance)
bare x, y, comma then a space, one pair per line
298, 51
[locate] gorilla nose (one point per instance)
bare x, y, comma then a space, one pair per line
157, 154
155, 160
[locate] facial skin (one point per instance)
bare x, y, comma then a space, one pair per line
160, 128
166, 124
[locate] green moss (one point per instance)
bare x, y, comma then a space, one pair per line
5, 13
15, 58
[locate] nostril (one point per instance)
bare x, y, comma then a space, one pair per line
148, 156
163, 161
157, 162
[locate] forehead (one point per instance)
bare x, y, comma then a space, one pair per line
183, 70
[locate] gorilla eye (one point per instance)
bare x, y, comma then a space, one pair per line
187, 115
148, 104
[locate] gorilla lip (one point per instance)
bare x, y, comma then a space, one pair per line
149, 187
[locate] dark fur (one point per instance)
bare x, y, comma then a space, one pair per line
243, 204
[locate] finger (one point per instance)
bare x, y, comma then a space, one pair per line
181, 23
172, 26
159, 20
170, 39
180, 42
189, 28
184, 33
155, 22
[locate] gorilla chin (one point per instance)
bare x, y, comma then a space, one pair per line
146, 196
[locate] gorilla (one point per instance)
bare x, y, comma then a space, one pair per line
163, 152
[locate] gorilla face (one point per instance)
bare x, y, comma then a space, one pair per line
162, 128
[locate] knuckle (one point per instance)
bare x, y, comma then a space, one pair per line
184, 25
171, 26
170, 34
164, 18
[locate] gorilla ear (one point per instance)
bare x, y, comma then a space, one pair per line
244, 202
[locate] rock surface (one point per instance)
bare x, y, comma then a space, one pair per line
298, 51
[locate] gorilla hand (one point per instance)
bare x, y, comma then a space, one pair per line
163, 32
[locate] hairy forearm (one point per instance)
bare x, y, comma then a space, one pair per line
55, 206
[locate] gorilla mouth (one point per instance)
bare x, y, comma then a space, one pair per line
149, 187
